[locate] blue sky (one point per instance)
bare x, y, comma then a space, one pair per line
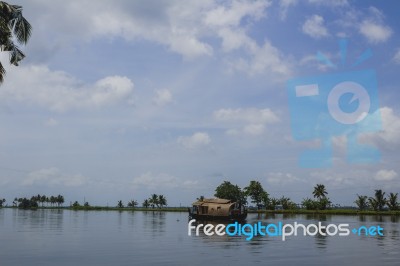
121, 99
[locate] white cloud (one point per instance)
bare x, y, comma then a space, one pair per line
179, 26
249, 121
374, 32
334, 3
280, 178
197, 140
58, 91
183, 29
385, 175
232, 15
284, 6
250, 115
162, 180
373, 27
162, 97
314, 27
53, 177
389, 136
396, 57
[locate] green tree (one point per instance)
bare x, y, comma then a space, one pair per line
287, 203
146, 203
154, 200
132, 203
392, 202
231, 192
319, 191
362, 202
13, 26
53, 200
379, 201
310, 204
43, 199
120, 204
60, 200
2, 202
27, 204
76, 204
256, 192
162, 201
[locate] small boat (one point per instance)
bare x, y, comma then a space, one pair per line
217, 209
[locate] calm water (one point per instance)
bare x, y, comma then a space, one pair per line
63, 237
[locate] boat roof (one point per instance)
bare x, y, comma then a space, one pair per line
214, 200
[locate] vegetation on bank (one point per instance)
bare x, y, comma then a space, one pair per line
319, 203
378, 203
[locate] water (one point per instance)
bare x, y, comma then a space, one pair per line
64, 237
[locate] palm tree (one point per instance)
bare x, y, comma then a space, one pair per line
60, 200
361, 202
2, 201
52, 200
120, 204
162, 201
379, 201
320, 191
13, 26
43, 199
132, 203
392, 202
146, 203
154, 200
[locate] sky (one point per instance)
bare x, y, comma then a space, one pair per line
117, 100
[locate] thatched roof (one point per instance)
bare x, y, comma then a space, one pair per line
215, 207
215, 200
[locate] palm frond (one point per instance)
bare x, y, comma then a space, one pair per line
16, 55
2, 73
21, 28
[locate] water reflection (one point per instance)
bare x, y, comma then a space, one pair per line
62, 237
154, 222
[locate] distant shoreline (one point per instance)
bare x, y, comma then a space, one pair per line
185, 209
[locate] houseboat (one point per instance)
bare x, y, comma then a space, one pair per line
217, 209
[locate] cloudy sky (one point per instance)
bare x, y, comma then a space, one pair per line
121, 99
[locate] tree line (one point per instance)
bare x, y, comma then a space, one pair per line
153, 201
34, 201
320, 201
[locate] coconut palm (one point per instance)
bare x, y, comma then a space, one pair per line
361, 202
146, 203
132, 203
2, 202
162, 201
154, 200
13, 26
320, 191
392, 202
60, 200
379, 201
